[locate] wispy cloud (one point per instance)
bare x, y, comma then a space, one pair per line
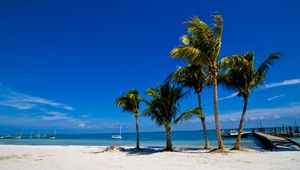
228, 97
292, 111
283, 83
267, 86
22, 101
275, 97
55, 116
17, 105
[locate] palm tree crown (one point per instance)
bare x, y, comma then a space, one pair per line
194, 77
202, 47
164, 106
130, 101
241, 74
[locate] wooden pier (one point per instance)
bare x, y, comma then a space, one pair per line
276, 143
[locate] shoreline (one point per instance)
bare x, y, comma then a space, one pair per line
34, 157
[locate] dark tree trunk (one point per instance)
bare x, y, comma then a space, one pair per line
207, 145
169, 142
216, 113
137, 131
239, 137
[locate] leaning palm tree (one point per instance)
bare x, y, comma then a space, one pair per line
242, 76
163, 107
130, 102
193, 77
202, 47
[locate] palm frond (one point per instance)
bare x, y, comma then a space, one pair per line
164, 104
189, 114
129, 101
265, 66
233, 61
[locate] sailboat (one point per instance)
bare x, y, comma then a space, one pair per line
18, 136
31, 135
117, 136
53, 137
38, 135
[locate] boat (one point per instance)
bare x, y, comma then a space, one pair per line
234, 133
38, 135
53, 137
18, 137
117, 136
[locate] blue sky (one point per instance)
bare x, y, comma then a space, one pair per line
63, 63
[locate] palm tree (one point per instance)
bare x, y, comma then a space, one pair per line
193, 76
241, 75
163, 107
130, 102
202, 47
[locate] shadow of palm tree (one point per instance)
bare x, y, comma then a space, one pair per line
143, 151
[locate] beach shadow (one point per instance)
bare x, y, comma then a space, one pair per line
192, 150
143, 151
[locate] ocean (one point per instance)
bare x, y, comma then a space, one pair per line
182, 139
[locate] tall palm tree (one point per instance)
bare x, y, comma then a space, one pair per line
130, 102
164, 106
193, 76
241, 75
202, 47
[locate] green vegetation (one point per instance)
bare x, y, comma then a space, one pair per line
163, 107
130, 102
241, 75
202, 47
200, 50
194, 77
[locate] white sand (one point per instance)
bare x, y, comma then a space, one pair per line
13, 157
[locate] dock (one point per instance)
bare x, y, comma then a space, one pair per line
276, 143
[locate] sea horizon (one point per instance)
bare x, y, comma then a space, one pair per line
182, 139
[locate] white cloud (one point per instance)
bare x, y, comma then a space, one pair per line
267, 86
24, 102
82, 125
291, 111
228, 97
55, 116
17, 105
283, 83
275, 97
276, 116
233, 119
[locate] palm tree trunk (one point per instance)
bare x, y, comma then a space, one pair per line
216, 113
239, 137
137, 132
207, 145
169, 142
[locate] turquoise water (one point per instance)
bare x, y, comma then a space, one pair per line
296, 139
193, 139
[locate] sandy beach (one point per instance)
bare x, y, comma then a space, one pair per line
28, 157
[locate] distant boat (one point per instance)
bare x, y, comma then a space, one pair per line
31, 135
53, 137
234, 133
117, 136
18, 136
38, 135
